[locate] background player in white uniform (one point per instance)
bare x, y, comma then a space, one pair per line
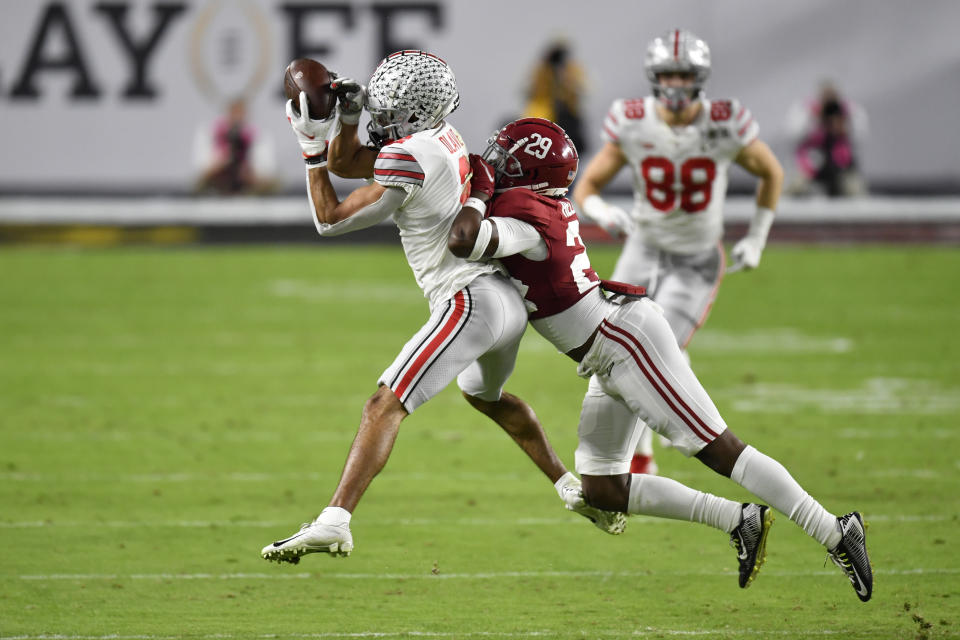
679, 145
420, 177
632, 357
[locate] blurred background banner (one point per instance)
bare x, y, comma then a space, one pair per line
117, 97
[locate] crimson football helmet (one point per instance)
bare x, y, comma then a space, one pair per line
535, 154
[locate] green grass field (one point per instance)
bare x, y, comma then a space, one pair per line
166, 413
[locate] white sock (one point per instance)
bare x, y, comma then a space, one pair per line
666, 498
645, 442
337, 516
767, 479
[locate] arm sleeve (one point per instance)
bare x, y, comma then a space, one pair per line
372, 214
516, 236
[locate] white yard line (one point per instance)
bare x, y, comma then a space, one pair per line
404, 522
499, 575
585, 633
240, 476
873, 396
646, 632
340, 291
772, 340
272, 476
248, 524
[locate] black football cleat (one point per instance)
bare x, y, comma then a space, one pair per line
750, 540
850, 554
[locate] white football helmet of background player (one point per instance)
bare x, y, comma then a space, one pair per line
677, 51
409, 91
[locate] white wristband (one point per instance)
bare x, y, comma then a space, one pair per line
761, 223
483, 239
477, 204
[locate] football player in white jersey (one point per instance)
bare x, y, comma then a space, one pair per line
420, 171
678, 145
631, 356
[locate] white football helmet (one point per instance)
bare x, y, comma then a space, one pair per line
678, 50
409, 91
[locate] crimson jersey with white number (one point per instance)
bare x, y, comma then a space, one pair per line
680, 173
433, 168
559, 281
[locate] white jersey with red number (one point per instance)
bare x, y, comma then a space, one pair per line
679, 173
433, 168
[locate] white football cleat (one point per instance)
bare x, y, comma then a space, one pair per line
313, 537
612, 522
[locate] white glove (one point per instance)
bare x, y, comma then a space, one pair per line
748, 250
351, 95
313, 135
613, 220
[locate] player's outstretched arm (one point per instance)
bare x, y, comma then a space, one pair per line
364, 207
598, 174
327, 207
348, 157
758, 159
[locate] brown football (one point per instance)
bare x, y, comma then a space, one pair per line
304, 74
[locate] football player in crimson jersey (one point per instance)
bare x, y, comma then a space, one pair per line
679, 145
420, 171
629, 352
